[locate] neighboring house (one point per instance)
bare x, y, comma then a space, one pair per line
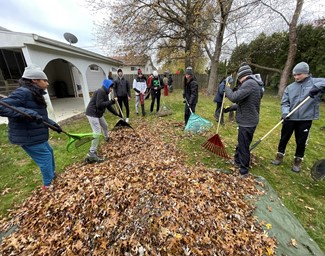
72, 71
131, 64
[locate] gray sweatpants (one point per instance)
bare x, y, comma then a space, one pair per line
97, 125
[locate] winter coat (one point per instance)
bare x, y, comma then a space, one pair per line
99, 102
296, 93
23, 131
248, 99
191, 92
158, 83
121, 88
139, 85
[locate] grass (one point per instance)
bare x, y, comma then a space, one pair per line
19, 176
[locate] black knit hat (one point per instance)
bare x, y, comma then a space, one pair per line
244, 70
189, 71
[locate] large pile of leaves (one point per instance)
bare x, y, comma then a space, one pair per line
142, 201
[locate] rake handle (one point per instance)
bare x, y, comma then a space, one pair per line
290, 113
28, 116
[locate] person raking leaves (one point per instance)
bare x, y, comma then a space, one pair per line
32, 134
95, 110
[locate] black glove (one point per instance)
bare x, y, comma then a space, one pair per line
38, 119
113, 101
226, 110
57, 128
314, 91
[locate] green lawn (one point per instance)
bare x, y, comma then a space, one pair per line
19, 176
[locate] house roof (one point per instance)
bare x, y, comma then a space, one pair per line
130, 60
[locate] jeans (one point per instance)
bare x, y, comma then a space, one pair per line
43, 156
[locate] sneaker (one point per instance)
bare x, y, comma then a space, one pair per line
45, 187
92, 157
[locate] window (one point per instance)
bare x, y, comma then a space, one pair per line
94, 68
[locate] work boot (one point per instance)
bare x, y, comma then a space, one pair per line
278, 159
93, 158
296, 164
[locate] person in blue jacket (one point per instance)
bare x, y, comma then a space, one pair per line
95, 110
31, 133
301, 120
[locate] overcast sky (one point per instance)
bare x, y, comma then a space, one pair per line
50, 19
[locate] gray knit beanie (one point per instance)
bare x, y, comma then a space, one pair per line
244, 70
301, 68
34, 72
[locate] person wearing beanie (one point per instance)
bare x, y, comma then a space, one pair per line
140, 87
248, 99
165, 81
31, 133
122, 93
300, 121
156, 85
190, 94
95, 110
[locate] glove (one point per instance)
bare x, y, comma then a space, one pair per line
226, 110
284, 117
38, 119
57, 128
314, 91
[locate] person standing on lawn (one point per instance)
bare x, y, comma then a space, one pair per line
190, 94
301, 120
165, 81
139, 86
248, 99
155, 87
122, 92
32, 134
95, 110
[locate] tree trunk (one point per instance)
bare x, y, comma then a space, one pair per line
292, 48
225, 7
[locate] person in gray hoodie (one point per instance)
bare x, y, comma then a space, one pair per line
248, 100
301, 120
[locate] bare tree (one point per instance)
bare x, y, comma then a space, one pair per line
292, 24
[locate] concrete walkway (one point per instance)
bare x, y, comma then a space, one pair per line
64, 108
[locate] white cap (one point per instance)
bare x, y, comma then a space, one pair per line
34, 72
155, 73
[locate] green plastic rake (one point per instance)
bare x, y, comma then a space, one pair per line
74, 138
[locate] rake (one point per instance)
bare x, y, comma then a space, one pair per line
121, 123
76, 139
289, 114
214, 144
196, 123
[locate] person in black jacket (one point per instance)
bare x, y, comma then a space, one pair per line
190, 94
122, 92
31, 133
156, 85
99, 102
248, 99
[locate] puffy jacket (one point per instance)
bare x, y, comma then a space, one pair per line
191, 92
98, 103
23, 131
296, 93
248, 99
121, 88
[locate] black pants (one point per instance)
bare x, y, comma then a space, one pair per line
187, 112
242, 154
154, 96
301, 130
125, 101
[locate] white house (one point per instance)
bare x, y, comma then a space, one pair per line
72, 71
